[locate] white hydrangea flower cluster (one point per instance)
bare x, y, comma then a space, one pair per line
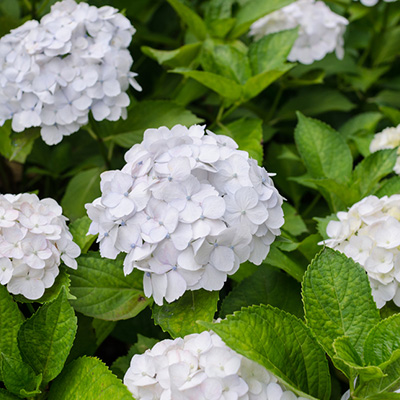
369, 233
320, 29
187, 208
55, 71
389, 138
370, 3
34, 238
200, 367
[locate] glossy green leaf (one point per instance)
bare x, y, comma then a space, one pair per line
389, 187
194, 23
46, 338
180, 317
21, 144
324, 151
83, 188
282, 344
271, 51
267, 285
86, 379
150, 114
331, 309
103, 291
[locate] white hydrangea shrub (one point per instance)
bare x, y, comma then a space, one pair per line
389, 138
200, 367
320, 29
54, 72
34, 239
187, 208
369, 233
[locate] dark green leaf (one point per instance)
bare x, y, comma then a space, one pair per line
83, 188
267, 285
294, 224
361, 122
389, 187
79, 229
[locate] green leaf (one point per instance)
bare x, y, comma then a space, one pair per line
389, 187
267, 285
121, 364
346, 354
294, 224
103, 291
247, 133
181, 57
18, 376
194, 23
271, 51
227, 60
79, 229
319, 100
322, 224
382, 341
372, 169
392, 114
280, 260
150, 114
282, 344
225, 87
5, 140
10, 323
88, 378
331, 309
253, 10
386, 46
6, 395
83, 188
257, 83
362, 122
46, 338
324, 151
180, 317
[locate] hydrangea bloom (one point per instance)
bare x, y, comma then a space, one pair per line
34, 238
187, 208
55, 71
389, 138
199, 367
370, 3
369, 233
320, 30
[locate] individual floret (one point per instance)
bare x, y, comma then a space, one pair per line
188, 208
34, 239
369, 233
199, 367
389, 138
320, 31
54, 72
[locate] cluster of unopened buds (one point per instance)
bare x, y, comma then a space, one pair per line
34, 238
54, 72
187, 208
369, 233
320, 30
200, 367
